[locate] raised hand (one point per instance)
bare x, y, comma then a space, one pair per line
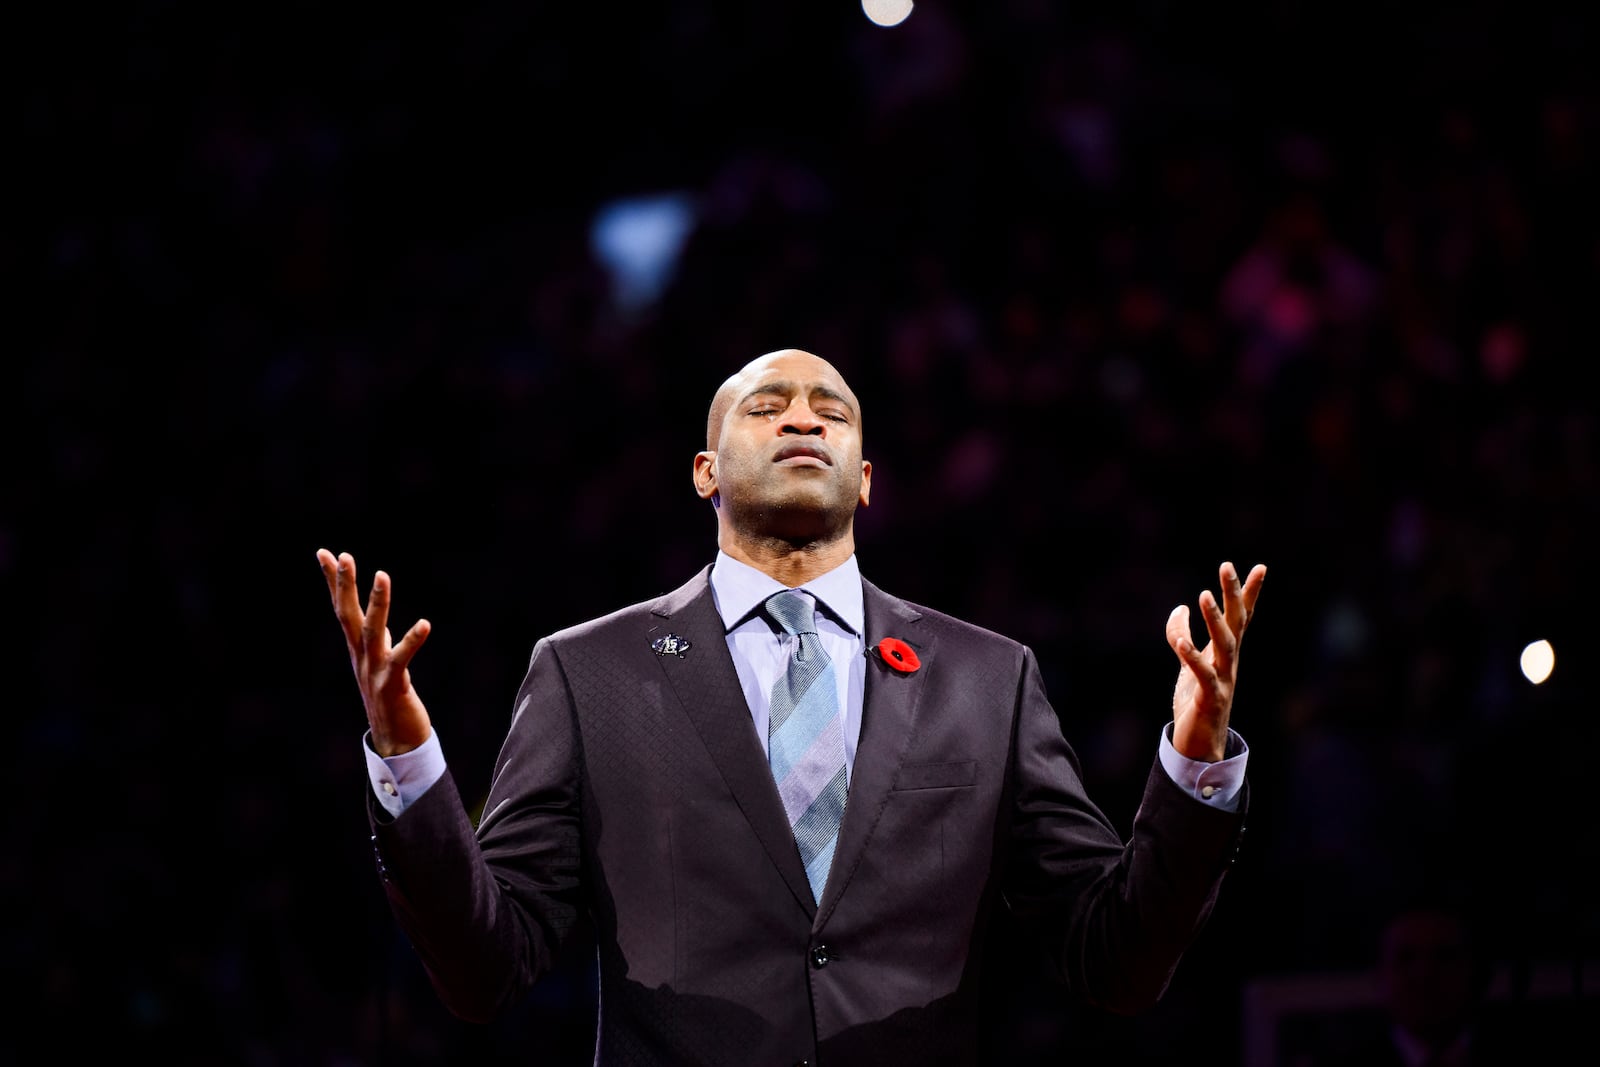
395, 713
1203, 697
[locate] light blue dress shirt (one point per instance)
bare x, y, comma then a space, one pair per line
761, 651
760, 654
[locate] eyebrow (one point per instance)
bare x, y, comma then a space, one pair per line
787, 388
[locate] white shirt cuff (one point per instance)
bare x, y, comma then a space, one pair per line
1217, 784
399, 780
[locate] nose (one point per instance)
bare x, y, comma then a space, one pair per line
800, 419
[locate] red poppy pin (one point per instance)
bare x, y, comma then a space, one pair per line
897, 654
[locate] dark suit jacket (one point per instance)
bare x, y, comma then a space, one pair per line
632, 789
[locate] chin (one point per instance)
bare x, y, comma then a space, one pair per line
795, 519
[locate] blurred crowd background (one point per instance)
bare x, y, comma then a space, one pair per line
1126, 290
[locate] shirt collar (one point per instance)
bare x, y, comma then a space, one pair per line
739, 589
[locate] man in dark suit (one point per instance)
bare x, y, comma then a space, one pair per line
759, 899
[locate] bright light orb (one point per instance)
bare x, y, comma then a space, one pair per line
887, 12
1538, 660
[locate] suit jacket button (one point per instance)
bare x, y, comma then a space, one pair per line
819, 956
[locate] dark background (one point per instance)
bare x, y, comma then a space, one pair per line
1126, 290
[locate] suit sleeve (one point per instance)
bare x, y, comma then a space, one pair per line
1114, 916
488, 908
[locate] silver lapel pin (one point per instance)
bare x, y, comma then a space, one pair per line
670, 645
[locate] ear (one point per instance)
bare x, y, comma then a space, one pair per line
866, 481
705, 475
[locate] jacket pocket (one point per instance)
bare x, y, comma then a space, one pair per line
936, 775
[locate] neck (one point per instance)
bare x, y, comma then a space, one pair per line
792, 563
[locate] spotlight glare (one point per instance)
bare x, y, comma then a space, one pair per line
887, 12
1538, 660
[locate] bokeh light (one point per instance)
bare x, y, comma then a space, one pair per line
887, 12
1538, 660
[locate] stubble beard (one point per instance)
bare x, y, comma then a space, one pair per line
804, 516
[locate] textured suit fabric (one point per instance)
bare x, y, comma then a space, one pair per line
632, 788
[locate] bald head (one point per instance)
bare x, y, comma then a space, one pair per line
766, 369
783, 463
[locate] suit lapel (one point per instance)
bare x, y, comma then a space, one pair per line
707, 685
888, 714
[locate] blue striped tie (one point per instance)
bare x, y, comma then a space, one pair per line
805, 739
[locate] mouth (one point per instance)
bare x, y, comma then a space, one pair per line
803, 455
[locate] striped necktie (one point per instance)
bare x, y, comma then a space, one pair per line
805, 739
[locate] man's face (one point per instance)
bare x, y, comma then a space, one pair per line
784, 458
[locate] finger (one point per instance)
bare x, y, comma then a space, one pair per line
1178, 636
1252, 589
1232, 597
345, 602
375, 627
1223, 641
330, 568
330, 575
409, 644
